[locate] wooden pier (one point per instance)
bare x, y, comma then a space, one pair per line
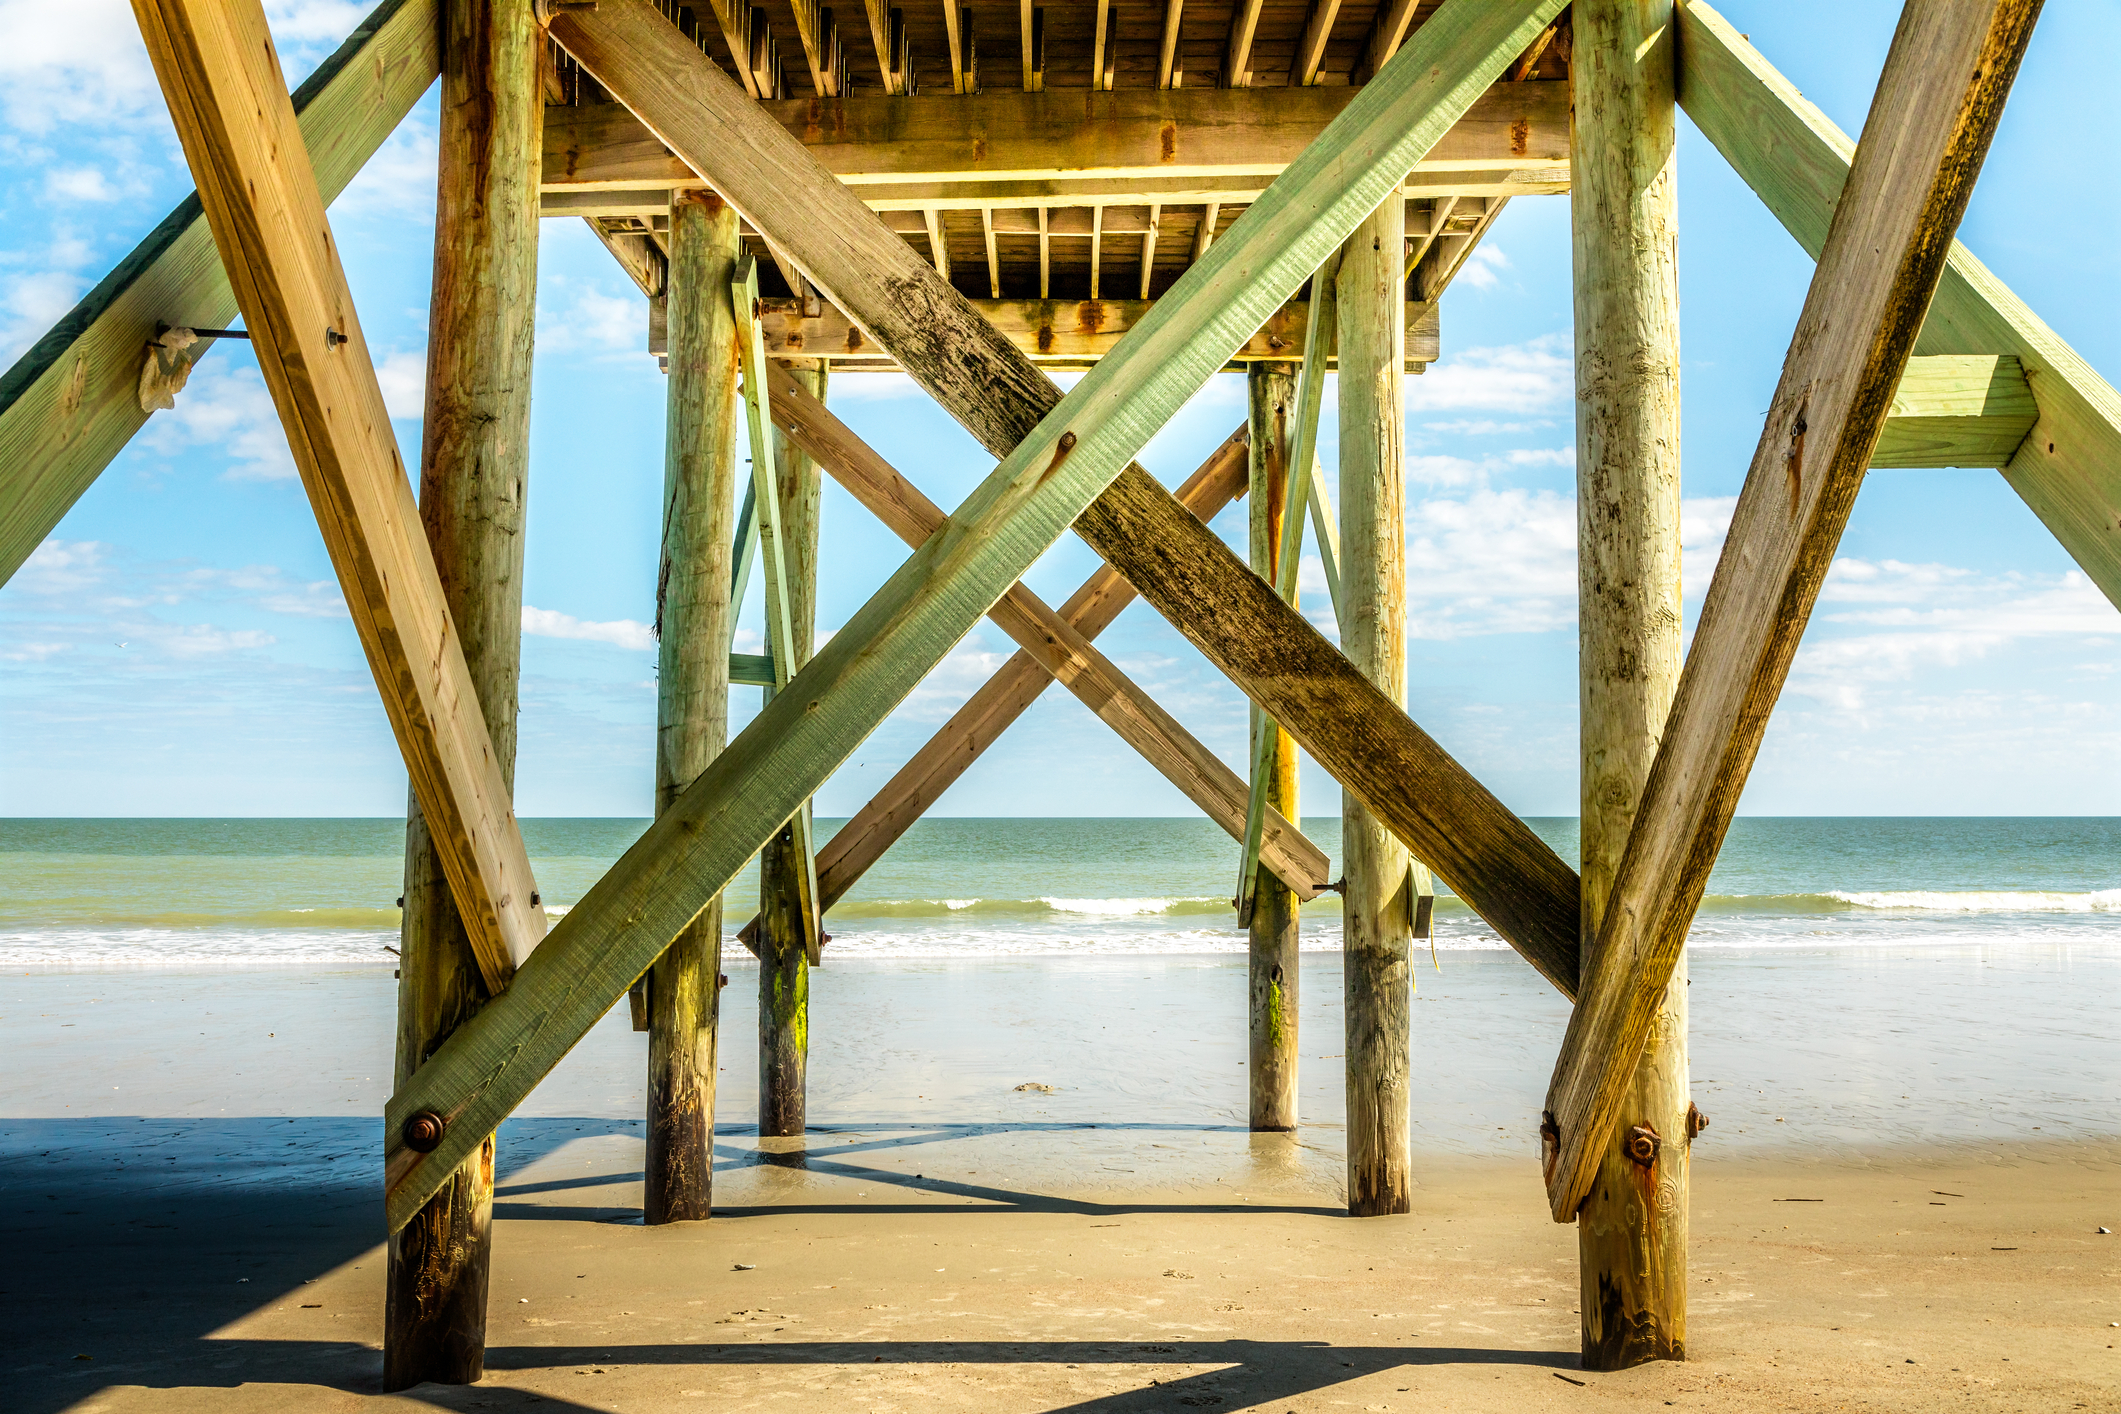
978, 195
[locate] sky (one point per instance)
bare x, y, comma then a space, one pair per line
179, 646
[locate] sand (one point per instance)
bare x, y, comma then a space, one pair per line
189, 1198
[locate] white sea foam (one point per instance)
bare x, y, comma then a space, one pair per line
1110, 906
2101, 901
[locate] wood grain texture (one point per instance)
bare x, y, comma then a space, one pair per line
1376, 906
1273, 926
693, 619
231, 109
787, 881
1063, 652
1938, 101
474, 473
2068, 470
1624, 238
1958, 410
1066, 450
1005, 135
71, 403
1000, 700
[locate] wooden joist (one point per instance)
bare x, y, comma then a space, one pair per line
1064, 331
1936, 108
230, 104
1076, 134
1958, 410
1071, 449
999, 701
2068, 470
70, 404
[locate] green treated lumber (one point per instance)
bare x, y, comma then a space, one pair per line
70, 404
1938, 101
1358, 734
782, 643
2068, 470
750, 670
1958, 410
1326, 533
743, 551
1074, 452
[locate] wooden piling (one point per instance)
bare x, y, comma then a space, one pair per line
1376, 918
1271, 393
693, 618
473, 465
1632, 1230
784, 963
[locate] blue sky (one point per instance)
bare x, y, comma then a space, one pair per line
179, 647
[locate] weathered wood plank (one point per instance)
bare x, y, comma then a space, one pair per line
70, 404
2069, 469
1958, 410
1624, 238
1064, 653
1001, 700
231, 108
474, 475
1938, 101
1063, 134
1067, 456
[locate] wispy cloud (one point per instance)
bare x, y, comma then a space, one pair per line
1521, 379
583, 316
1483, 268
228, 411
621, 633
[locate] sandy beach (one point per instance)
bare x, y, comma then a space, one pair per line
200, 1215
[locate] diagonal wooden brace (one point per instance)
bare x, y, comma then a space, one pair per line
1489, 857
1063, 651
1936, 108
217, 68
700, 842
1003, 698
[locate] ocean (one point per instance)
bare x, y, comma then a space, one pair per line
111, 893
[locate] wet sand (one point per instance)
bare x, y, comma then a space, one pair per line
207, 1233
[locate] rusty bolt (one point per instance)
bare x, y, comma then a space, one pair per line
1642, 1145
1696, 1121
423, 1131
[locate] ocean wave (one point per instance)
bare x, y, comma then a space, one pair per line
1986, 901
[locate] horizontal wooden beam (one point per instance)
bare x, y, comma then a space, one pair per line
1958, 410
1936, 108
1070, 450
1003, 698
1062, 331
1064, 135
70, 404
216, 64
1062, 650
2068, 469
1033, 193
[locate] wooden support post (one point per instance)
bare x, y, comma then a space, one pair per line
229, 102
1311, 48
1624, 212
1273, 926
693, 614
1930, 123
1065, 460
1376, 907
474, 463
786, 877
1170, 64
1237, 52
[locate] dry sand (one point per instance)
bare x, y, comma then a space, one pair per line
1944, 1279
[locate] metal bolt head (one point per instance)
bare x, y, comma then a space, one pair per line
1642, 1145
423, 1132
1696, 1121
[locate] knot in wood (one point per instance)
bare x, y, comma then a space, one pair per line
423, 1132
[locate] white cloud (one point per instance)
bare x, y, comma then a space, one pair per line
623, 633
399, 180
404, 380
80, 62
1483, 427
1482, 268
61, 567
1437, 469
230, 411
200, 640
34, 302
582, 317
1520, 379
1493, 562
78, 184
